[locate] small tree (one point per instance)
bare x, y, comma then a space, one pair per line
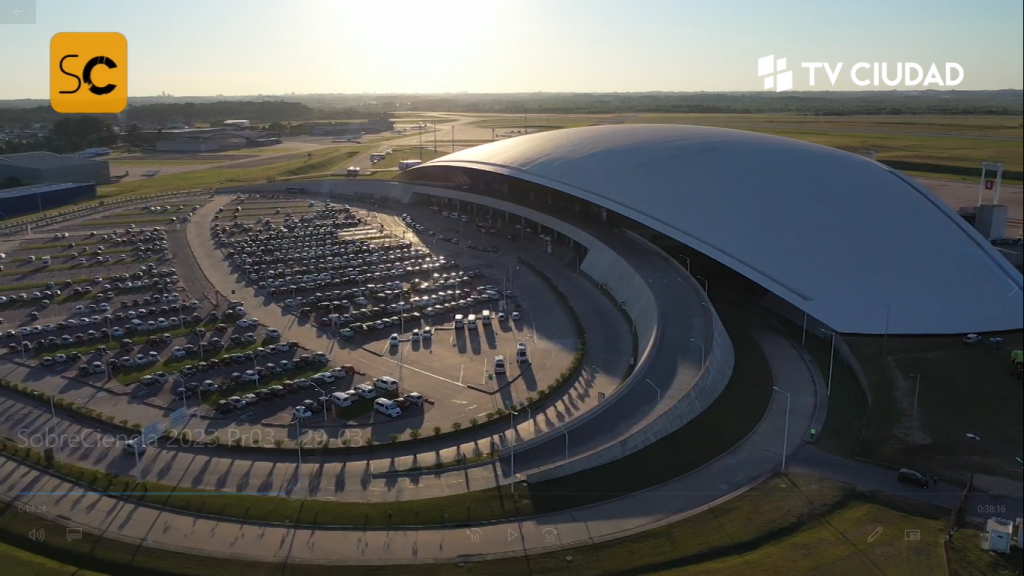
393, 438
437, 430
473, 421
456, 426
414, 434
369, 441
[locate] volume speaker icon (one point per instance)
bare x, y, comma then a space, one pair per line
37, 534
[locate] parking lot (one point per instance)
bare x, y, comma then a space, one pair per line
388, 306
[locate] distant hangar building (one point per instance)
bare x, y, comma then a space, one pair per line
50, 168
853, 244
43, 197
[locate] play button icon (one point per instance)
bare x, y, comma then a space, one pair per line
512, 535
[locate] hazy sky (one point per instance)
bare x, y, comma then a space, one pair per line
244, 47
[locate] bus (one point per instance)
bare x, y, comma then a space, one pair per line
377, 156
485, 317
471, 322
458, 320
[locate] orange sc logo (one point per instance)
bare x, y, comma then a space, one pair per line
88, 72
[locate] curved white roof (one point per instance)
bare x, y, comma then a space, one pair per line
851, 242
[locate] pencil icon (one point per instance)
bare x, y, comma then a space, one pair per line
874, 534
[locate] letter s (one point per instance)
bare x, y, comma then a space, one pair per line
75, 76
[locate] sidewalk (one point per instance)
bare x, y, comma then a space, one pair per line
751, 461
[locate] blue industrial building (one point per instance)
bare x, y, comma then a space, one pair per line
43, 197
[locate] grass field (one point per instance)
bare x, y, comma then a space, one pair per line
1000, 126
786, 525
408, 153
323, 160
946, 140
966, 558
963, 389
18, 562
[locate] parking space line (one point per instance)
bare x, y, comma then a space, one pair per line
425, 373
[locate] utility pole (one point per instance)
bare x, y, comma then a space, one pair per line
435, 138
453, 138
421, 145
492, 134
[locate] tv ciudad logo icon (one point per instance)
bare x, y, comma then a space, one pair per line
908, 74
88, 72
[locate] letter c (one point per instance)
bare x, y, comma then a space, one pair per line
87, 75
853, 74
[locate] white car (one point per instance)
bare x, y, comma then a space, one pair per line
289, 303
386, 383
365, 391
178, 352
394, 340
972, 339
414, 398
243, 323
301, 413
427, 333
516, 316
134, 446
273, 333
415, 336
502, 317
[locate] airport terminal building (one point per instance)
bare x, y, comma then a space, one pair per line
813, 232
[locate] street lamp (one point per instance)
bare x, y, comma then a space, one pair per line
785, 436
705, 283
917, 388
695, 341
512, 446
712, 314
687, 258
831, 358
323, 396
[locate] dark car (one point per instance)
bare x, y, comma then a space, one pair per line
907, 476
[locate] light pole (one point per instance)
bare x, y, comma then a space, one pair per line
917, 388
298, 445
566, 434
687, 258
323, 396
512, 446
695, 341
705, 283
785, 435
711, 313
831, 359
658, 390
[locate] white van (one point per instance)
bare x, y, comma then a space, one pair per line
499, 364
463, 218
485, 317
458, 320
341, 400
471, 322
387, 407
